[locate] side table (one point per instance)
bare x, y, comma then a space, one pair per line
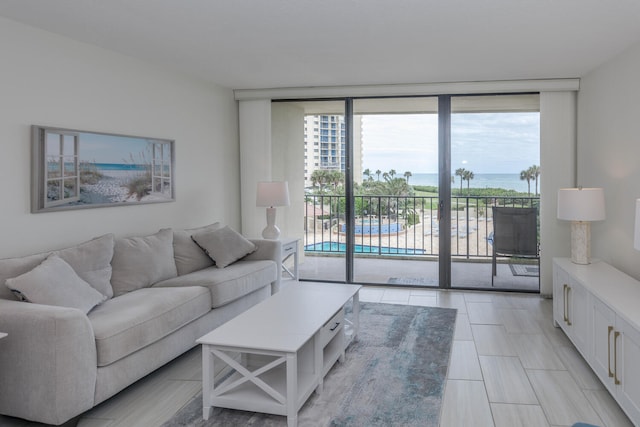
289, 248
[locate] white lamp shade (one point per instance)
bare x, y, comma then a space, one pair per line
636, 234
272, 194
581, 204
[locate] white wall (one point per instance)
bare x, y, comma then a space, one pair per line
50, 80
609, 154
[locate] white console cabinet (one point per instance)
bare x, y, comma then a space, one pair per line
598, 307
571, 310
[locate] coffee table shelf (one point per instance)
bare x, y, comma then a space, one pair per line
277, 353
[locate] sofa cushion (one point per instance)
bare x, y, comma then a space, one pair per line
92, 262
54, 282
228, 284
188, 255
14, 267
225, 246
139, 262
136, 319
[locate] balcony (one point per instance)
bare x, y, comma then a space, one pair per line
397, 241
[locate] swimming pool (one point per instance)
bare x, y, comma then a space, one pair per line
368, 227
361, 249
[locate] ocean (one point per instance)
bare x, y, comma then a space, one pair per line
508, 181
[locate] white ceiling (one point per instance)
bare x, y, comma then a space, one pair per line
245, 44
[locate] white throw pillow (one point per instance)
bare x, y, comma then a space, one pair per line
224, 246
54, 282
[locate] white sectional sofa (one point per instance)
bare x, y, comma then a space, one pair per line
107, 312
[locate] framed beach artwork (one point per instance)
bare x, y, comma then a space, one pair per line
73, 169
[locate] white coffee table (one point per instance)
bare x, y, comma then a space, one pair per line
277, 353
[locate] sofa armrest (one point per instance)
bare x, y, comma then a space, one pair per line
269, 250
47, 362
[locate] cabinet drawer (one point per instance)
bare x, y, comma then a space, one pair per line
332, 327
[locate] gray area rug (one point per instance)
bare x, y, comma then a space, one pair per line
393, 375
524, 270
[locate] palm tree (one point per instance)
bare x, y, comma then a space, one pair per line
460, 172
367, 173
527, 175
321, 178
392, 173
535, 173
408, 175
336, 178
468, 176
378, 172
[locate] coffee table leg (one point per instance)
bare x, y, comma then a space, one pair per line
207, 381
292, 389
318, 362
356, 314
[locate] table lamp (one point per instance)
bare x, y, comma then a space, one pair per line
271, 195
581, 206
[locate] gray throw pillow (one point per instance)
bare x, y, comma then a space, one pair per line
225, 246
139, 262
92, 262
54, 282
188, 255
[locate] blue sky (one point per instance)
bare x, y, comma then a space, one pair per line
480, 142
113, 149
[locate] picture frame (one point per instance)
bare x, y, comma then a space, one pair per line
75, 169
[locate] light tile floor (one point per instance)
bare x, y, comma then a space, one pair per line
509, 367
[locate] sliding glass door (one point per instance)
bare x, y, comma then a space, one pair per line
325, 167
399, 191
395, 232
495, 163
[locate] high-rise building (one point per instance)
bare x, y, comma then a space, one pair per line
325, 145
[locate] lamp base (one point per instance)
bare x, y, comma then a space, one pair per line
581, 242
271, 232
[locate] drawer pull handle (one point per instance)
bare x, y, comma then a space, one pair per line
334, 326
568, 320
616, 334
564, 302
609, 330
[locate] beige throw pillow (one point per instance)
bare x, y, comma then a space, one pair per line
225, 246
139, 262
54, 282
188, 255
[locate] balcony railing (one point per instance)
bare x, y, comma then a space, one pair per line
405, 226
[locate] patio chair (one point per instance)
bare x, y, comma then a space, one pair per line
515, 235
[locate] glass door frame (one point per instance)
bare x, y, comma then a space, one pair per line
444, 189
444, 181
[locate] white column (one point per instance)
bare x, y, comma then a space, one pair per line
558, 170
255, 161
287, 134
